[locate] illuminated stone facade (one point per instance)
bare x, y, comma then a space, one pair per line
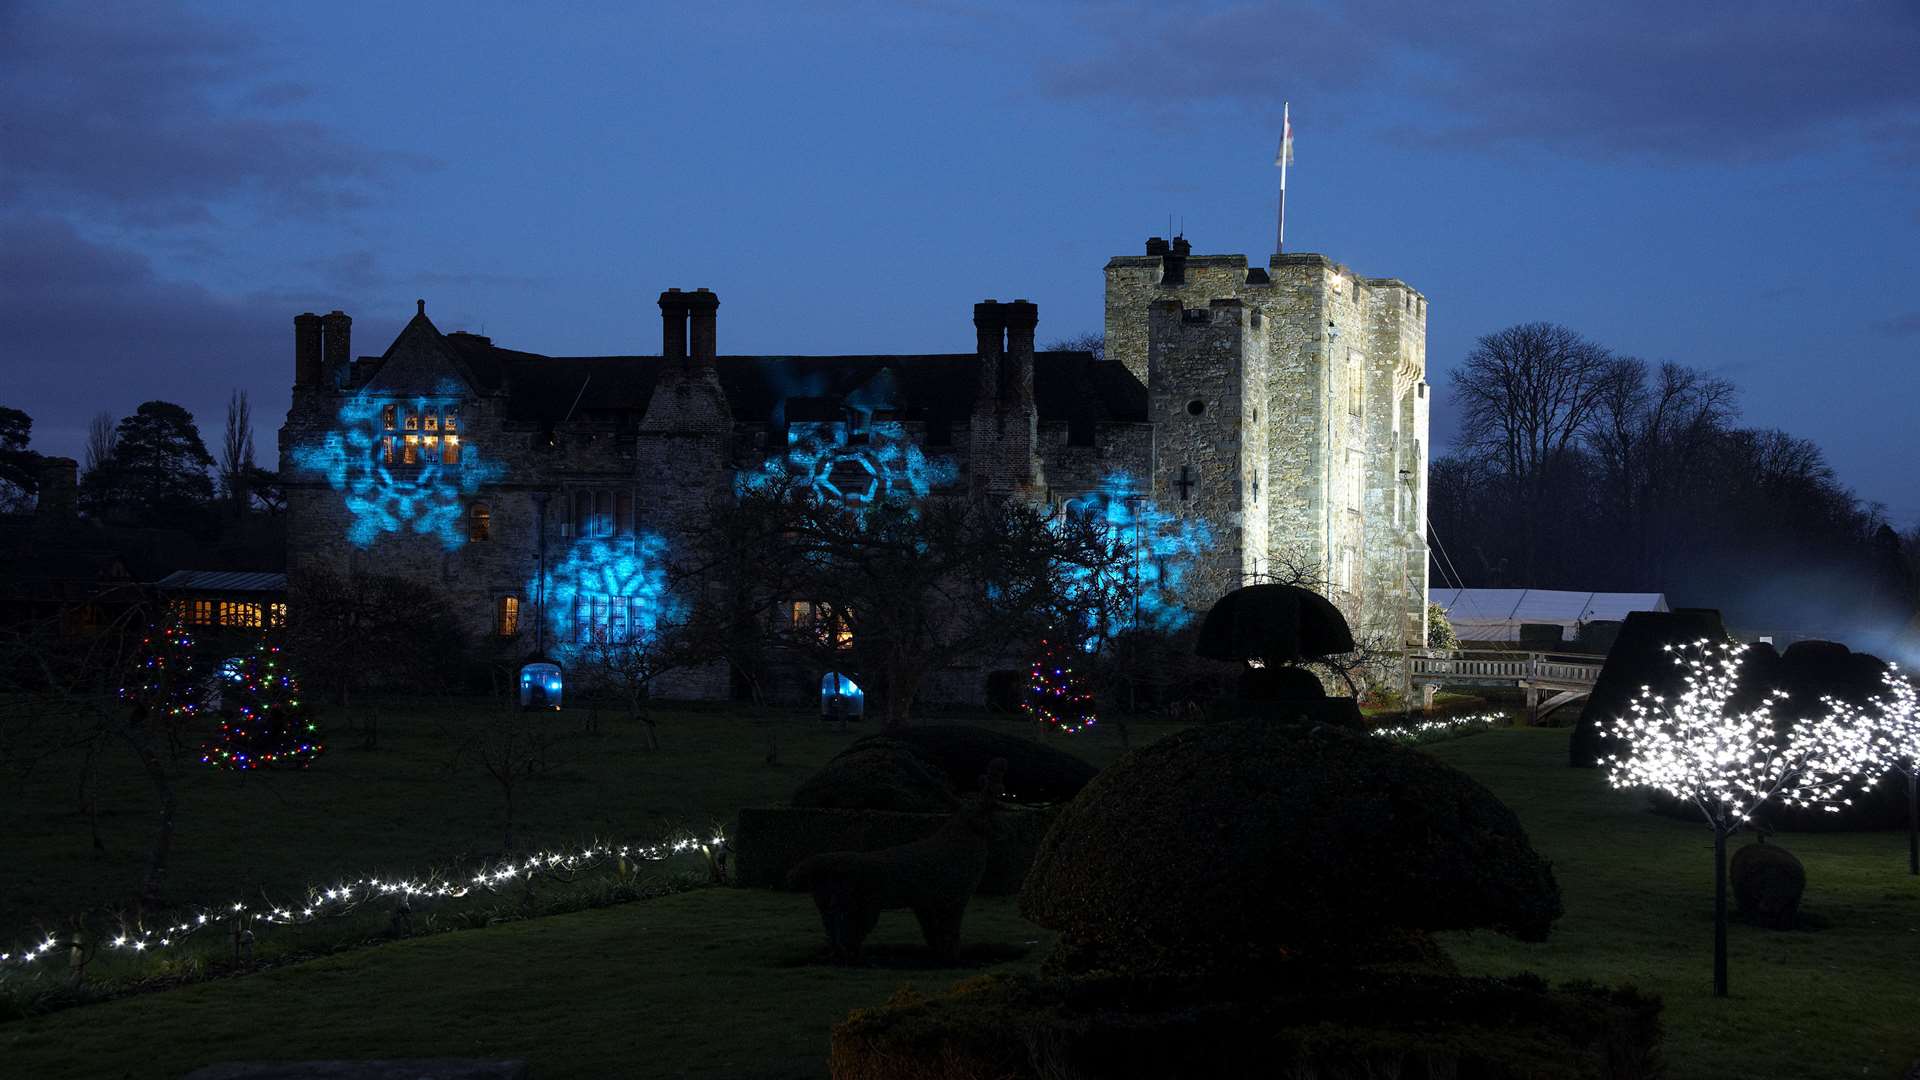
1215, 434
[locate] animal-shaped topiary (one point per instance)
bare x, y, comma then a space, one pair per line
935, 878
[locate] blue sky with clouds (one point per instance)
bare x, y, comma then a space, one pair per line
1728, 185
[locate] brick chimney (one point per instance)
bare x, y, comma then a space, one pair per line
59, 487
990, 335
336, 348
673, 325
702, 310
1016, 372
306, 349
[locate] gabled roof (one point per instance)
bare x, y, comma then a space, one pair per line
228, 581
420, 359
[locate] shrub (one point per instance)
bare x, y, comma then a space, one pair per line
1377, 1024
1638, 659
1228, 846
877, 774
1767, 882
768, 841
1036, 773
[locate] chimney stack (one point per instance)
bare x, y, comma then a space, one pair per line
59, 487
337, 347
673, 325
306, 349
1156, 245
1016, 383
990, 335
702, 309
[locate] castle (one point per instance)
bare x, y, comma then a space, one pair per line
1245, 423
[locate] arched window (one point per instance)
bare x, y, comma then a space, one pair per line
480, 522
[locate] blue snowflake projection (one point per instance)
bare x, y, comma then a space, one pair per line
397, 474
839, 468
1164, 549
615, 586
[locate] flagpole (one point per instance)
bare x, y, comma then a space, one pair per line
1286, 129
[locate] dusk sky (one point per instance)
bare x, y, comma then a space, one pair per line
1734, 186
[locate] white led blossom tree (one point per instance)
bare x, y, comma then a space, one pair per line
1889, 733
1700, 749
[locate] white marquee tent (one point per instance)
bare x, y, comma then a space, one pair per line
1496, 614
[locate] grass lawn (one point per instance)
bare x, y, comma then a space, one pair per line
714, 983
400, 809
1842, 1000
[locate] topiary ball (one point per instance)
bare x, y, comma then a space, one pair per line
1226, 847
1768, 881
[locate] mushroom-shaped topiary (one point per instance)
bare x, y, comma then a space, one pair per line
1223, 849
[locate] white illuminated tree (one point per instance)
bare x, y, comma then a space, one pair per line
1889, 733
1702, 750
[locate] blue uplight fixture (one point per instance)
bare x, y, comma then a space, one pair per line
542, 685
841, 698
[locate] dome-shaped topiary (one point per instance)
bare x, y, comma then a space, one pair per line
877, 774
1232, 845
1035, 772
1767, 883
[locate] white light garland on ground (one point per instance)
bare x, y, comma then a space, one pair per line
1451, 725
342, 899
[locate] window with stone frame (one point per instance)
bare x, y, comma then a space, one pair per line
598, 617
1356, 484
479, 522
420, 435
598, 512
506, 616
1356, 385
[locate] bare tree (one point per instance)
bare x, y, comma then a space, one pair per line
510, 746
236, 452
1094, 342
103, 434
1527, 394
629, 666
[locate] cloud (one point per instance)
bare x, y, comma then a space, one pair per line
72, 306
1716, 81
156, 117
1907, 325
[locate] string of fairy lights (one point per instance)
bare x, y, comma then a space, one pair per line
1428, 729
343, 898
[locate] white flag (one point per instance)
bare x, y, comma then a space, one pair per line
1285, 156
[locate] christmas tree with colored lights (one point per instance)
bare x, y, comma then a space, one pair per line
165, 692
1056, 695
265, 722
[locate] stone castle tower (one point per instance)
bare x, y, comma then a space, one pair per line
1290, 412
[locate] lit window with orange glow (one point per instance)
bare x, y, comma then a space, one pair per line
451, 450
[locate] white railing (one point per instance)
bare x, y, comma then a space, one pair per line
1519, 668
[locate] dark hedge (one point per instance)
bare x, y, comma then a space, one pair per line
1637, 659
1036, 772
1372, 1025
768, 841
877, 774
1228, 846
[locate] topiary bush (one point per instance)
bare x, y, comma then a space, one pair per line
1638, 659
1768, 881
1237, 845
1380, 1024
959, 753
877, 774
768, 841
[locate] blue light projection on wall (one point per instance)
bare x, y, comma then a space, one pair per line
1164, 550
385, 493
611, 587
837, 467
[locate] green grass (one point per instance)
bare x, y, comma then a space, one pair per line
399, 809
1842, 1000
710, 983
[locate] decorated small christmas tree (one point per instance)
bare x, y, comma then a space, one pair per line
264, 720
1056, 695
162, 687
